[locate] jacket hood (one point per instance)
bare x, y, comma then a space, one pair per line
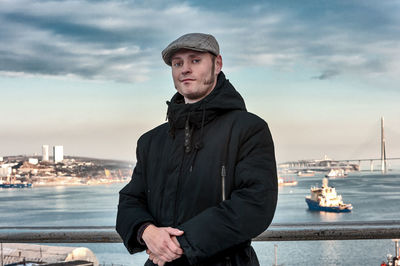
223, 98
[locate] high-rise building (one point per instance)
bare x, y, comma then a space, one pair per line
45, 152
58, 153
5, 170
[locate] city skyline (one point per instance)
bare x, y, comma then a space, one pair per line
89, 74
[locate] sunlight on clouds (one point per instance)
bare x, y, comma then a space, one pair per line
265, 59
90, 39
294, 56
352, 60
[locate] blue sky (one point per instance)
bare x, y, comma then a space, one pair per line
89, 75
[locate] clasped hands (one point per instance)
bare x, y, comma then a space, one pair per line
162, 245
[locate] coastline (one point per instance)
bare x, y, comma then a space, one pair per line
88, 183
77, 182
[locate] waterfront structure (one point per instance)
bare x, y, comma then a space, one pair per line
45, 153
73, 171
5, 170
33, 161
33, 254
58, 153
324, 165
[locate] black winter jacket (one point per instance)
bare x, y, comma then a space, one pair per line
211, 172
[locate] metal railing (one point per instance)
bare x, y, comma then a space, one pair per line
276, 232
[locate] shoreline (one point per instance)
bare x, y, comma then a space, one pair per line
70, 184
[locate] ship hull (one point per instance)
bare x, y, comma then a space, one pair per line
314, 206
15, 185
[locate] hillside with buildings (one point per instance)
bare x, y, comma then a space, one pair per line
58, 169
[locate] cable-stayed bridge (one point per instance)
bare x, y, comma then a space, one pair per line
347, 164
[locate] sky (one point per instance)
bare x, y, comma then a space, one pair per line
89, 75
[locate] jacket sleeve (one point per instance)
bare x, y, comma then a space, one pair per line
250, 208
132, 207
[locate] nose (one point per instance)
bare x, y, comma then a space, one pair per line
186, 68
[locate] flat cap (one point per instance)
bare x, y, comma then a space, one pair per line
193, 41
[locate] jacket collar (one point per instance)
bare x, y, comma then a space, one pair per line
223, 98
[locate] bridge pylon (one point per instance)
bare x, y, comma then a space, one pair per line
383, 148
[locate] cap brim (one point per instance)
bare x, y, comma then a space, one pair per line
167, 55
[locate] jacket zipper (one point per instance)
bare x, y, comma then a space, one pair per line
177, 189
223, 175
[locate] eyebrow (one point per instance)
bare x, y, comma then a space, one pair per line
192, 55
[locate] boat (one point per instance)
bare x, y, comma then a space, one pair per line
15, 185
286, 182
306, 173
326, 199
336, 172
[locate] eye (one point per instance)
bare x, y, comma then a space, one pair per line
195, 61
176, 64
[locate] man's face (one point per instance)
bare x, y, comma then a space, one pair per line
195, 73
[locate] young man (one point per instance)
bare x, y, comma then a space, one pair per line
205, 182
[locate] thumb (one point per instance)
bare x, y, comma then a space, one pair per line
174, 231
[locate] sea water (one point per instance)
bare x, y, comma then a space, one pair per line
375, 197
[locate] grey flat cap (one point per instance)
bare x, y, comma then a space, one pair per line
193, 41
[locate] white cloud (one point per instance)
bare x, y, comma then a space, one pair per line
122, 40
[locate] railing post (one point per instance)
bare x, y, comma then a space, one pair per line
1, 254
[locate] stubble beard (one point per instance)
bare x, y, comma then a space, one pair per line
207, 82
211, 80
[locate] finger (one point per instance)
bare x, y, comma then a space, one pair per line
176, 242
165, 259
174, 247
172, 251
159, 261
174, 231
155, 261
164, 252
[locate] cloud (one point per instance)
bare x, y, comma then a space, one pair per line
328, 74
339, 38
64, 38
122, 40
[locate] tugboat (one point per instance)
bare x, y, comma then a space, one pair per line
326, 199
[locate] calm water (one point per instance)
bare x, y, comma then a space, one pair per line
374, 197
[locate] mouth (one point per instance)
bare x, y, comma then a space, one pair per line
186, 80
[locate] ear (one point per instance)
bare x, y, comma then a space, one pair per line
218, 64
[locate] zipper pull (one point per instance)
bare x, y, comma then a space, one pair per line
223, 175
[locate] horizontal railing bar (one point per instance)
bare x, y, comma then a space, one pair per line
60, 237
309, 233
330, 234
334, 224
273, 225
57, 228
